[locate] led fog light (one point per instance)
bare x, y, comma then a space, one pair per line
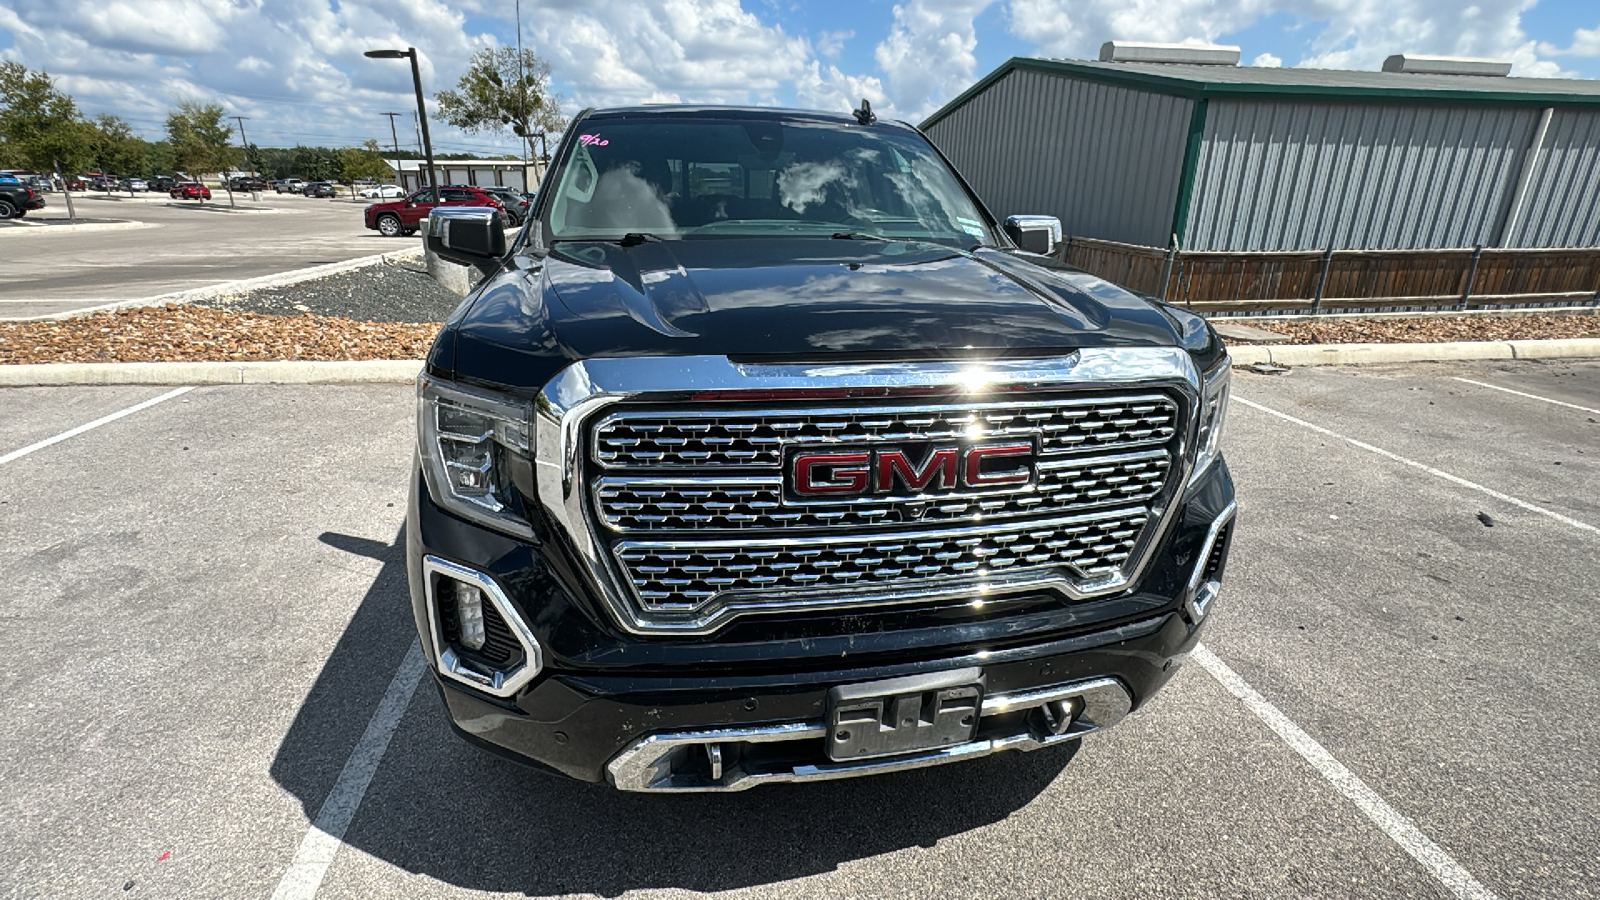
469, 615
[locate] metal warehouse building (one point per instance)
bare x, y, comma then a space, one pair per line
1246, 159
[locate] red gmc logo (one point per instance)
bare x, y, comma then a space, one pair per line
813, 474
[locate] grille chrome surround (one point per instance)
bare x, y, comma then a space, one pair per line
570, 477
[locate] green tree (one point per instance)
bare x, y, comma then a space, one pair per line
254, 159
201, 140
116, 148
315, 163
501, 92
40, 127
365, 161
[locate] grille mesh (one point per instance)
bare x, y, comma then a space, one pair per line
721, 439
672, 576
637, 504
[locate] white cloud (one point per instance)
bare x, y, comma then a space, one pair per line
614, 52
833, 90
927, 58
1346, 34
293, 66
1267, 61
1585, 42
831, 43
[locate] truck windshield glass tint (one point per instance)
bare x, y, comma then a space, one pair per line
694, 178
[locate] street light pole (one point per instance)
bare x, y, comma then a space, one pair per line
422, 109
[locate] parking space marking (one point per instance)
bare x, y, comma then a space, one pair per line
1454, 479
326, 834
89, 426
1440, 864
1496, 387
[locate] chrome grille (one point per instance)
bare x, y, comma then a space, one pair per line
691, 505
635, 503
674, 576
722, 438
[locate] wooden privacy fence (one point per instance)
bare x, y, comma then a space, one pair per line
1335, 280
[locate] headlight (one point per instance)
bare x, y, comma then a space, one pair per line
1213, 415
471, 441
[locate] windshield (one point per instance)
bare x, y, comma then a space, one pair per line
685, 178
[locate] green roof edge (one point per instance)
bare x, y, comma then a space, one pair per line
1191, 89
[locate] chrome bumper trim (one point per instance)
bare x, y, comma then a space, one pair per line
1198, 597
646, 765
445, 659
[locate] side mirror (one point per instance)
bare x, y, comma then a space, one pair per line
469, 235
1035, 234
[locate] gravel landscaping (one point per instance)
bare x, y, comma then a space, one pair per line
1436, 329
400, 292
393, 311
198, 333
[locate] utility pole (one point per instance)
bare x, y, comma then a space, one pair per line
394, 135
246, 142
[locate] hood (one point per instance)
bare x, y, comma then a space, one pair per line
792, 299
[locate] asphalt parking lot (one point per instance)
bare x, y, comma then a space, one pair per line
208, 649
183, 245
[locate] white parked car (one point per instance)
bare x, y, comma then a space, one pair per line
382, 192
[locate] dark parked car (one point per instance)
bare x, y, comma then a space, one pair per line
18, 199
162, 183
190, 190
516, 202
319, 189
765, 453
399, 217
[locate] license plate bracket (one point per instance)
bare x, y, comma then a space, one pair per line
904, 715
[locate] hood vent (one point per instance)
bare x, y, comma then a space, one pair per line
1190, 54
1413, 64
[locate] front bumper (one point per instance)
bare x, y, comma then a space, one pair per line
662, 715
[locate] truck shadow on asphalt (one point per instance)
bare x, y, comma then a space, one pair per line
444, 809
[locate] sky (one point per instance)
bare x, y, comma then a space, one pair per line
295, 67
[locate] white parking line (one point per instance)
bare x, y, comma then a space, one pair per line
326, 834
1496, 387
71, 433
1401, 830
1453, 479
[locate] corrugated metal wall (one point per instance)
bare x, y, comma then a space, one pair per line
1105, 160
1302, 175
1562, 207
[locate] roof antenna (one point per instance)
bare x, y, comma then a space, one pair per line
864, 114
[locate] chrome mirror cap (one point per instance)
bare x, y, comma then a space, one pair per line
1035, 234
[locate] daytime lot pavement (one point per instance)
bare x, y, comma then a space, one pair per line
206, 611
184, 245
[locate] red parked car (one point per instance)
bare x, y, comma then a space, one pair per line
190, 190
405, 216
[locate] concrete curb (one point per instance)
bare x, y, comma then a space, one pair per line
1372, 354
37, 228
379, 371
282, 279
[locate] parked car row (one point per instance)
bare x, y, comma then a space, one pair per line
405, 216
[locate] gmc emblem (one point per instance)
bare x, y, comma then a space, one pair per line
837, 473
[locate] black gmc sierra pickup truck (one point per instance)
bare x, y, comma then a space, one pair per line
763, 452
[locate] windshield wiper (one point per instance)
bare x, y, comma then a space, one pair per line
858, 236
631, 239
